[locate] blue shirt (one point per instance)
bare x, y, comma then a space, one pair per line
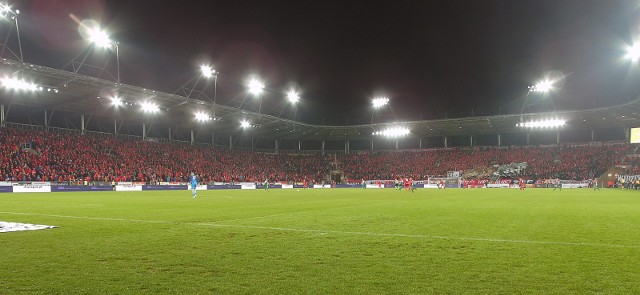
194, 180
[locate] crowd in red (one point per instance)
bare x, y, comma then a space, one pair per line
49, 156
563, 161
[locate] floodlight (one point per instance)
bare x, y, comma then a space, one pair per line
550, 123
5, 9
633, 52
380, 102
293, 96
245, 124
149, 107
542, 86
116, 101
255, 87
207, 71
100, 37
201, 116
393, 132
19, 85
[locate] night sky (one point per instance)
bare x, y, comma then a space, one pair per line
453, 58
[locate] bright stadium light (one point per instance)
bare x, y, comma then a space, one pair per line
393, 132
7, 12
149, 107
550, 123
245, 124
201, 116
633, 52
255, 87
116, 101
380, 102
100, 38
542, 86
19, 85
207, 71
293, 96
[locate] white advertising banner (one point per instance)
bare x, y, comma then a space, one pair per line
37, 187
570, 185
128, 188
247, 185
374, 186
201, 187
321, 186
5, 183
287, 186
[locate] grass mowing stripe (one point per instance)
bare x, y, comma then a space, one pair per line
320, 231
303, 212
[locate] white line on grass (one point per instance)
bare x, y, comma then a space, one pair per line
319, 231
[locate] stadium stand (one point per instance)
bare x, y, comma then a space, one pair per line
52, 156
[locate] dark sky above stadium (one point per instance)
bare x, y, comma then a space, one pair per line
457, 57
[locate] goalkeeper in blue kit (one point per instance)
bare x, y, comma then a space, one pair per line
193, 179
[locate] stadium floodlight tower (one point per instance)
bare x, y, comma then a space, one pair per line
543, 87
378, 103
6, 13
256, 87
97, 37
207, 72
294, 97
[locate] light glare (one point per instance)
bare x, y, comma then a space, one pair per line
19, 84
100, 37
293, 96
380, 102
393, 132
149, 107
255, 87
202, 116
543, 86
633, 52
207, 71
116, 101
245, 124
551, 123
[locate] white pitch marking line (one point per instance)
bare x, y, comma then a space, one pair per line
318, 231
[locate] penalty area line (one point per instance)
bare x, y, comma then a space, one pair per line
324, 232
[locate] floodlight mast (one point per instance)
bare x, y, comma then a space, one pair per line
256, 87
6, 12
207, 72
100, 38
543, 87
380, 102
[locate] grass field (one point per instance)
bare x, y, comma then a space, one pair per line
347, 241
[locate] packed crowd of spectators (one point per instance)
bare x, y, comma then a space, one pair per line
49, 156
558, 161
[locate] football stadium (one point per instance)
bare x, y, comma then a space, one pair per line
108, 187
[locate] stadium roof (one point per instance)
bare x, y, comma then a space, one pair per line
82, 94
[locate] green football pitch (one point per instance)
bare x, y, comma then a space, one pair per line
331, 241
